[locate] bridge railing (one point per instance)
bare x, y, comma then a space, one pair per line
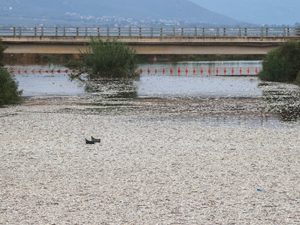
153, 31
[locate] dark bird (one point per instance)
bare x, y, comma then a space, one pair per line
89, 142
95, 139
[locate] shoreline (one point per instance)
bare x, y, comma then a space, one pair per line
151, 167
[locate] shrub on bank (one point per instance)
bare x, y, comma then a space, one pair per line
9, 93
109, 58
282, 64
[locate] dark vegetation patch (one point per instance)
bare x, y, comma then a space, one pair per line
282, 64
9, 93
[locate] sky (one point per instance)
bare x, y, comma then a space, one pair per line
256, 11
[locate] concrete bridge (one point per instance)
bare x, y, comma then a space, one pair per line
170, 40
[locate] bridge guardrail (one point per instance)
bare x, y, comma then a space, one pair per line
153, 31
297, 31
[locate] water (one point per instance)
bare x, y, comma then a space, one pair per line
46, 83
158, 82
190, 81
163, 86
222, 68
199, 79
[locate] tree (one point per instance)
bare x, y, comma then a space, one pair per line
9, 93
282, 64
109, 58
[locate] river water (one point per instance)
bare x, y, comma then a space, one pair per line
182, 81
195, 79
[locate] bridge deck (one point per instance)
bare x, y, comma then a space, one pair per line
149, 40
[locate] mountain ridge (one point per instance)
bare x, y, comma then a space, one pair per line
179, 10
256, 11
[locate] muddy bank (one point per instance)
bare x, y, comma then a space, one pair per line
248, 112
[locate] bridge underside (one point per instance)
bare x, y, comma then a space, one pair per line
140, 49
72, 45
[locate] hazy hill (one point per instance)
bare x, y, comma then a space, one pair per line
256, 11
140, 9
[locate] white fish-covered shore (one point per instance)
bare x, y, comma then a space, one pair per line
146, 170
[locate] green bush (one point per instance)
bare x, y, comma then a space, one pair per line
282, 64
9, 93
109, 59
